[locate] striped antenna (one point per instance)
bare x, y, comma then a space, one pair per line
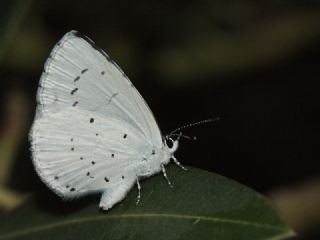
210, 120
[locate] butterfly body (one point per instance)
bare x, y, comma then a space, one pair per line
93, 132
152, 161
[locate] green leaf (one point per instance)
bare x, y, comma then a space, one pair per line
201, 205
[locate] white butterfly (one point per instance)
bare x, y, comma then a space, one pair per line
93, 132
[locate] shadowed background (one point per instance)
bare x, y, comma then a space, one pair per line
254, 64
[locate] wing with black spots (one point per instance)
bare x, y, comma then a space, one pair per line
76, 154
80, 75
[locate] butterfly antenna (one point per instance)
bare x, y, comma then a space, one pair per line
180, 135
193, 124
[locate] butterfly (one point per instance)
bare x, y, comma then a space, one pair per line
93, 132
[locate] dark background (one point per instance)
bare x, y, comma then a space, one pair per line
254, 64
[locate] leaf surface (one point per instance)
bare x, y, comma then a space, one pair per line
201, 205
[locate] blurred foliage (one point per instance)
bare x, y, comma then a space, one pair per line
12, 132
291, 203
12, 14
195, 40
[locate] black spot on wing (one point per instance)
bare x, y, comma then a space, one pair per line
91, 120
72, 189
88, 174
125, 135
93, 162
72, 149
56, 177
76, 79
112, 155
81, 158
74, 91
75, 104
103, 72
106, 179
84, 70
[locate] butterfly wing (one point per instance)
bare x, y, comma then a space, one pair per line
75, 155
92, 127
79, 74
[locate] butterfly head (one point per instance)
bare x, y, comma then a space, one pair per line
173, 145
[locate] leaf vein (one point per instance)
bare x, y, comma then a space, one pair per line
44, 227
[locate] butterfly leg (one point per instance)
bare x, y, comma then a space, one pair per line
178, 163
115, 194
165, 175
138, 186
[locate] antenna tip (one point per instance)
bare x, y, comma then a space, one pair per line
214, 119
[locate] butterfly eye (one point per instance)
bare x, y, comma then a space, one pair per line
169, 142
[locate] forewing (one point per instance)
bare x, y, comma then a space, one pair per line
76, 152
80, 75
